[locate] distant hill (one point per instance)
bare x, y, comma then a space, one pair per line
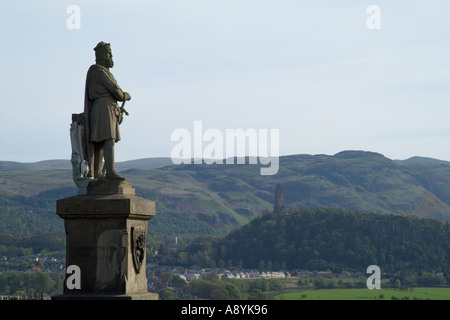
328, 239
416, 160
11, 166
146, 164
368, 181
194, 199
153, 163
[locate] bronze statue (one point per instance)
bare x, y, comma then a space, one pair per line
102, 114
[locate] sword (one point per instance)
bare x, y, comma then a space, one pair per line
122, 108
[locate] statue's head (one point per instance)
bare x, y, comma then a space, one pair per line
103, 54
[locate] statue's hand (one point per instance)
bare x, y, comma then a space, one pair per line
127, 96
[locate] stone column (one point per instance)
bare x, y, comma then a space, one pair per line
105, 238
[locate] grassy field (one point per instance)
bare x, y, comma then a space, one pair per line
421, 293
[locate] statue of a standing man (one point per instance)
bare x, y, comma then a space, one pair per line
102, 114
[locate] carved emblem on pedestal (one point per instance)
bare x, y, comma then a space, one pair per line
138, 247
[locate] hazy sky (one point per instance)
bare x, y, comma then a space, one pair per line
311, 69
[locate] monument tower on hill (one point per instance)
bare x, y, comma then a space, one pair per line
106, 223
279, 205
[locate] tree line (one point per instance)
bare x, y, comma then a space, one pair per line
29, 283
326, 239
213, 287
15, 245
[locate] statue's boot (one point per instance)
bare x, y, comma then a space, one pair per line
111, 173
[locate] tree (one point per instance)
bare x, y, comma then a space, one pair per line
169, 295
15, 282
177, 281
3, 282
166, 276
257, 294
59, 282
261, 265
219, 294
233, 291
40, 282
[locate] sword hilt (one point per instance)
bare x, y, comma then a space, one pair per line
122, 108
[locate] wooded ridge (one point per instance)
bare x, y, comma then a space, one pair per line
193, 200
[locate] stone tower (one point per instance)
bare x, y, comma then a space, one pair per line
278, 206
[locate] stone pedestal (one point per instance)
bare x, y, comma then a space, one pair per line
105, 238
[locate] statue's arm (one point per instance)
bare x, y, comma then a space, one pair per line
112, 87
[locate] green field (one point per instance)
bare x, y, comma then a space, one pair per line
421, 293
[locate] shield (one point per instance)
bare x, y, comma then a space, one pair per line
138, 247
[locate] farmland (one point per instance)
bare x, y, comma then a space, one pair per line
419, 293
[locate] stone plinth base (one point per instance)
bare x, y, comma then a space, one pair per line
105, 239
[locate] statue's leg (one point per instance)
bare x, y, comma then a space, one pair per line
111, 173
98, 160
90, 159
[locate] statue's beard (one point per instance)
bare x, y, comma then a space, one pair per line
107, 63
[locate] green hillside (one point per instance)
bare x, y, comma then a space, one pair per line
328, 239
369, 182
197, 200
